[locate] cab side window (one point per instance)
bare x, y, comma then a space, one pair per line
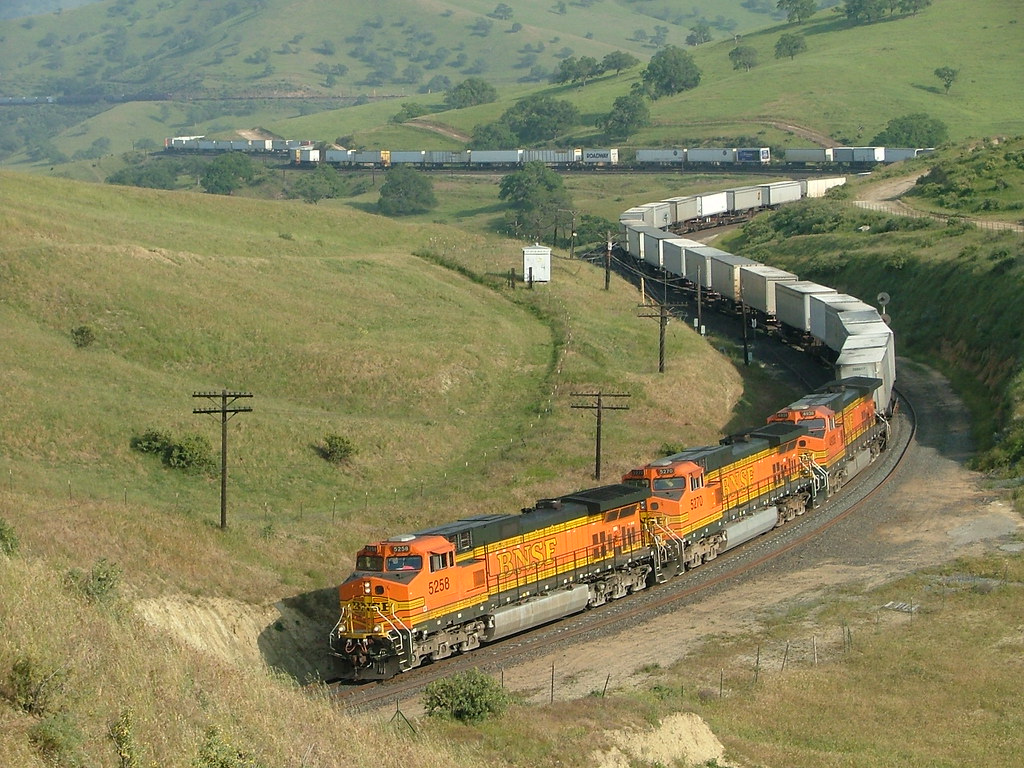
440, 561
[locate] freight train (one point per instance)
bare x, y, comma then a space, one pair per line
423, 596
307, 153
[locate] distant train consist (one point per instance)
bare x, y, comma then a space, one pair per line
419, 597
307, 153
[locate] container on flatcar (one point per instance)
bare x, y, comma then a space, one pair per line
447, 157
495, 156
808, 155
744, 198
840, 326
408, 157
552, 156
378, 157
779, 192
698, 264
635, 238
896, 154
632, 214
825, 306
818, 187
673, 255
725, 272
762, 155
306, 155
684, 208
713, 203
793, 303
858, 154
875, 362
652, 246
711, 155
758, 283
661, 156
657, 214
601, 156
337, 156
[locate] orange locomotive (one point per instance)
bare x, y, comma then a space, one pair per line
425, 595
704, 501
447, 589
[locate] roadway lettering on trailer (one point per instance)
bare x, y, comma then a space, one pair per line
530, 554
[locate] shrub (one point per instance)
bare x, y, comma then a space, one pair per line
8, 539
57, 738
82, 336
122, 733
99, 584
337, 449
217, 753
33, 688
151, 441
191, 453
468, 697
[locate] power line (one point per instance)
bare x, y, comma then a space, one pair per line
600, 407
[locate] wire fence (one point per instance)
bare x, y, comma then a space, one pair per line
898, 209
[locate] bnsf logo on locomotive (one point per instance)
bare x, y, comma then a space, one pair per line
537, 552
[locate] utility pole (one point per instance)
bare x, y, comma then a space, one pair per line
572, 230
226, 409
662, 315
608, 261
600, 407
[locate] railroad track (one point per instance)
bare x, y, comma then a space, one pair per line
699, 584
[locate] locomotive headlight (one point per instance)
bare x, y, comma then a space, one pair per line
366, 587
378, 627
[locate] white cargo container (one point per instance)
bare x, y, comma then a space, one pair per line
657, 214
725, 272
447, 157
408, 157
823, 306
711, 155
653, 239
792, 302
895, 154
495, 156
601, 156
779, 192
661, 156
340, 156
858, 154
536, 263
757, 285
635, 238
632, 214
875, 362
699, 264
673, 255
713, 203
809, 155
304, 155
552, 156
839, 326
684, 208
818, 187
744, 198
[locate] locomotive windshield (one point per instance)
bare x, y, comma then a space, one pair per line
670, 484
370, 563
405, 563
815, 426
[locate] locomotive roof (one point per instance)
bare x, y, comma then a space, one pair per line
486, 529
838, 394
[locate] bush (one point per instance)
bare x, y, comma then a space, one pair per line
82, 336
337, 449
99, 584
8, 539
468, 697
217, 753
191, 453
57, 738
33, 688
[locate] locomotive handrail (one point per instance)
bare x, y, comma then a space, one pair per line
398, 629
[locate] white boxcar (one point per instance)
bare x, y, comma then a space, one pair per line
684, 208
809, 155
657, 214
711, 155
758, 283
653, 239
825, 305
495, 156
661, 156
779, 192
725, 272
744, 198
818, 187
792, 302
601, 156
673, 255
713, 203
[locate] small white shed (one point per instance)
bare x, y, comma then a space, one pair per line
536, 258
